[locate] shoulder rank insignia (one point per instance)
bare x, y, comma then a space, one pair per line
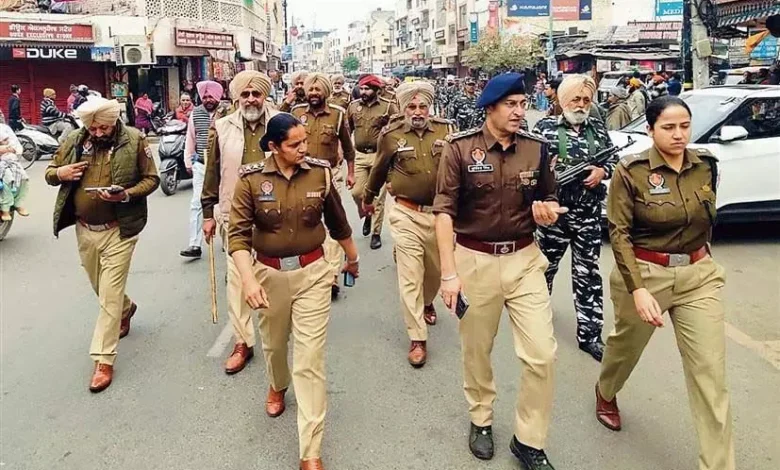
629, 160
394, 124
299, 106
250, 168
702, 152
460, 135
317, 162
337, 107
532, 136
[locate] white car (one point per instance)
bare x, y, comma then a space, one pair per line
740, 125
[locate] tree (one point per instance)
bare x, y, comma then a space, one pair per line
350, 64
493, 54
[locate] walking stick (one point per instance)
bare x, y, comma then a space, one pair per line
213, 279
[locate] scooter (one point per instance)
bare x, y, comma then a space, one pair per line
5, 226
171, 152
37, 141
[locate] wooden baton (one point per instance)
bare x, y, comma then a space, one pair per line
213, 279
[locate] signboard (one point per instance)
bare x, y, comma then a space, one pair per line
47, 32
563, 10
204, 39
437, 60
766, 49
659, 31
668, 8
528, 8
474, 33
439, 34
45, 53
737, 54
492, 15
286, 53
103, 54
258, 46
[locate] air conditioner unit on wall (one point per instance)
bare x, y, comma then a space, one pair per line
133, 50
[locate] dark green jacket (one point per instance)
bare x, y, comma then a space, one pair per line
129, 148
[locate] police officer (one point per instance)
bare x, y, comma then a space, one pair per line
388, 89
408, 158
367, 116
495, 184
297, 94
464, 110
104, 153
340, 96
327, 127
661, 212
575, 137
286, 276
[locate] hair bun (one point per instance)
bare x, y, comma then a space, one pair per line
264, 144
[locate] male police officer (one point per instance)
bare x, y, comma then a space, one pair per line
495, 184
575, 137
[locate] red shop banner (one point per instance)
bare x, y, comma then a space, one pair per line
48, 32
566, 10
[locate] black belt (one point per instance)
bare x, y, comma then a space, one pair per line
366, 150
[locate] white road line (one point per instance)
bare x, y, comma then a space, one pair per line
222, 341
767, 350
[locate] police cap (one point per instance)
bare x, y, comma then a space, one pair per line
501, 86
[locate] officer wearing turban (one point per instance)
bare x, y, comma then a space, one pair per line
297, 94
575, 137
340, 96
104, 154
637, 99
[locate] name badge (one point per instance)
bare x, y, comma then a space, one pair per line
267, 189
316, 194
657, 182
405, 149
479, 166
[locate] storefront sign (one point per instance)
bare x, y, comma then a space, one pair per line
258, 46
102, 54
668, 8
659, 31
45, 53
438, 35
452, 60
206, 40
528, 7
437, 60
474, 33
563, 10
492, 15
766, 49
50, 32
462, 33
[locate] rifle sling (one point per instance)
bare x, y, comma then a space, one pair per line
563, 141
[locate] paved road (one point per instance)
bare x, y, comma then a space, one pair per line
172, 407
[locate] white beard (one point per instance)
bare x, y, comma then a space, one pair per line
252, 114
575, 117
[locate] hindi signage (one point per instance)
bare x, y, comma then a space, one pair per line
46, 32
204, 39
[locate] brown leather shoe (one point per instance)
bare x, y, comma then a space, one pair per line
124, 326
312, 464
238, 358
607, 412
417, 354
274, 404
429, 314
101, 378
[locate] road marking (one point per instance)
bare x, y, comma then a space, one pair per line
767, 350
222, 341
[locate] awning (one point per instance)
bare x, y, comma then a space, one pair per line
748, 15
619, 55
422, 69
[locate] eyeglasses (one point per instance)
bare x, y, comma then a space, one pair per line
253, 93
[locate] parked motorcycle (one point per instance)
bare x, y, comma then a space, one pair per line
37, 141
171, 151
5, 227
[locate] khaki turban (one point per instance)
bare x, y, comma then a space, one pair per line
407, 91
575, 85
300, 75
619, 92
318, 79
250, 78
99, 111
337, 78
48, 92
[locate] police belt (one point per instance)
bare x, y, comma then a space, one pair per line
366, 149
98, 227
494, 248
291, 263
671, 260
409, 204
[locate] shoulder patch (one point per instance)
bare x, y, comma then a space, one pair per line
629, 160
466, 133
250, 168
337, 107
316, 162
396, 122
532, 136
705, 153
355, 100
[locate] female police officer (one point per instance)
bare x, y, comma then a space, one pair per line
661, 210
275, 237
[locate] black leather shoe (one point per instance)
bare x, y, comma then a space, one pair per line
376, 242
481, 442
367, 226
532, 459
191, 252
594, 348
334, 291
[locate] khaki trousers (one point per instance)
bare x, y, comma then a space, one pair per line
334, 254
516, 282
364, 162
419, 272
238, 310
691, 295
106, 259
299, 303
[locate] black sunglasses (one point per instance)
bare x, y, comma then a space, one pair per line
254, 93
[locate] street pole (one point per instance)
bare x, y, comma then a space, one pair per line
550, 43
286, 66
686, 47
699, 35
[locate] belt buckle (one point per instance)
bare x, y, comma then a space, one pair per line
503, 248
290, 264
426, 209
676, 260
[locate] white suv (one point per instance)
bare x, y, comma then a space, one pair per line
740, 124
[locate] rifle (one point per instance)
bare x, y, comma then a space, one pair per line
574, 173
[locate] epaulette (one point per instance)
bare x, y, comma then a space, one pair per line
355, 100
250, 168
337, 107
705, 153
394, 124
462, 134
629, 160
317, 162
532, 136
382, 98
441, 120
298, 106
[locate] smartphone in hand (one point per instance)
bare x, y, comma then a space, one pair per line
461, 305
349, 278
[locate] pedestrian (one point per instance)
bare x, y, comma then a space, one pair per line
675, 85
661, 213
465, 112
551, 92
51, 117
143, 113
83, 92
408, 155
658, 87
188, 87
288, 278
72, 97
327, 129
637, 99
297, 94
494, 185
235, 142
618, 114
574, 138
14, 181
185, 108
104, 154
541, 99
340, 96
195, 149
15, 109
367, 116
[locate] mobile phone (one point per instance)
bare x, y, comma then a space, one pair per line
349, 278
111, 189
461, 305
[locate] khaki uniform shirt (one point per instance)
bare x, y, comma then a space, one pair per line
324, 130
278, 217
408, 161
341, 98
488, 191
89, 206
286, 108
367, 121
651, 206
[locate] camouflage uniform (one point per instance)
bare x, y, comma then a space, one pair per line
465, 113
444, 97
581, 226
